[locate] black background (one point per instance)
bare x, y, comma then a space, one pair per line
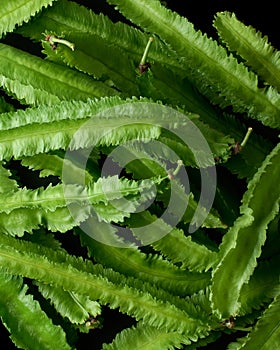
264, 16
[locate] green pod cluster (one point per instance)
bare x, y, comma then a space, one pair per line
139, 172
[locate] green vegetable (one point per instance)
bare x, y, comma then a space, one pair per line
137, 175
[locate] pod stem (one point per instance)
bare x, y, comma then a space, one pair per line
53, 40
145, 54
246, 138
174, 173
144, 65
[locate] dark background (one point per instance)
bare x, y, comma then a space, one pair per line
264, 16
